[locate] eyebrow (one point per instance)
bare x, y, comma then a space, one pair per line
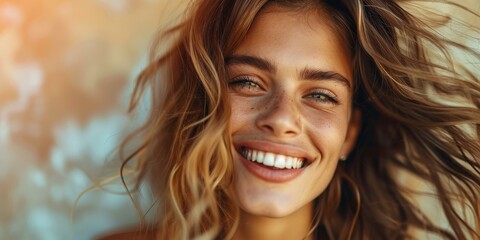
314, 74
306, 73
257, 62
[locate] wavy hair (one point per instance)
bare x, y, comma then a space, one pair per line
405, 83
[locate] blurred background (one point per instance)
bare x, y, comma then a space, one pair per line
67, 69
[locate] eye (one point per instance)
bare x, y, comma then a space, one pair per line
323, 97
245, 85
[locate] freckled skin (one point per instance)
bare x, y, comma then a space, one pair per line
283, 110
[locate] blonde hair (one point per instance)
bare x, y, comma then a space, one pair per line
185, 151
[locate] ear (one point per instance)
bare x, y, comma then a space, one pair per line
353, 130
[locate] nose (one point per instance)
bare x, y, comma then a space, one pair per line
280, 116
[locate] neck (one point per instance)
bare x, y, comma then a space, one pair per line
294, 226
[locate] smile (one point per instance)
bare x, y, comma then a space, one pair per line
270, 159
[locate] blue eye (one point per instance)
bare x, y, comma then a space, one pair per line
244, 84
323, 97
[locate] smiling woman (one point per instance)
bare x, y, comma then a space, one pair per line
299, 119
284, 109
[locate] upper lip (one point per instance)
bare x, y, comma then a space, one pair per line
275, 147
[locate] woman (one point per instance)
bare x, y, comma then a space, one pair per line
296, 119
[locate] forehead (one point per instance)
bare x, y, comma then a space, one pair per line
299, 38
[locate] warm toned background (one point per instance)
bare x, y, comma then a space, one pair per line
66, 73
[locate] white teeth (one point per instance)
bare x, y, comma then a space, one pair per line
299, 163
289, 162
269, 159
272, 159
260, 156
280, 161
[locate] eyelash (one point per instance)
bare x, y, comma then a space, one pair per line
328, 97
247, 82
244, 82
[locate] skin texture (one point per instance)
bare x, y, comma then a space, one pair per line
286, 109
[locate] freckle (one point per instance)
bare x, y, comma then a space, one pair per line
252, 108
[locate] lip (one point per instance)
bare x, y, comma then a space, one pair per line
277, 148
267, 173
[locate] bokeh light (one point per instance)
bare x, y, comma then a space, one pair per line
66, 73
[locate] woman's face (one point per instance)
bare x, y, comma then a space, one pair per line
290, 86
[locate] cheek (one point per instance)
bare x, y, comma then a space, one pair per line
241, 112
327, 131
235, 117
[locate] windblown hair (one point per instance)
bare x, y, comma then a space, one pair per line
409, 125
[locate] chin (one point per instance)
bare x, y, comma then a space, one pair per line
268, 212
269, 205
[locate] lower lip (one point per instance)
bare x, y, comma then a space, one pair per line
270, 174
